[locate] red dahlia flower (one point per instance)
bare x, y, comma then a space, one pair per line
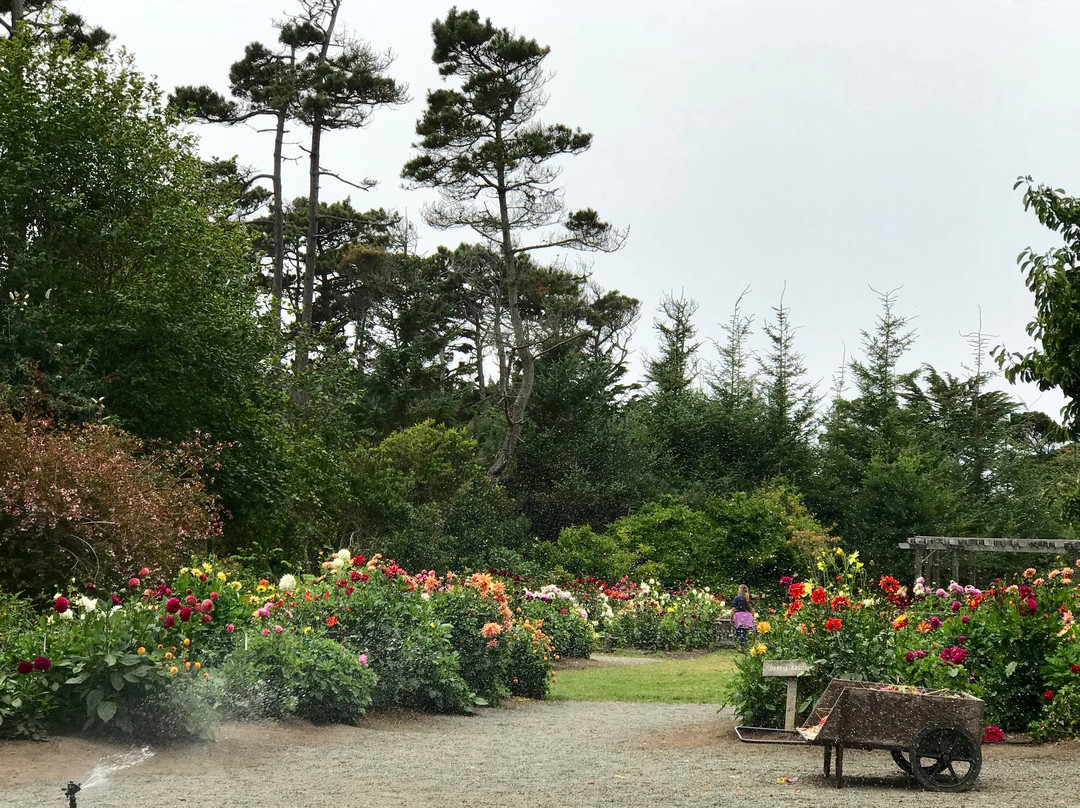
993, 734
184, 614
1074, 669
172, 605
833, 624
25, 667
61, 605
889, 584
1049, 695
818, 596
42, 663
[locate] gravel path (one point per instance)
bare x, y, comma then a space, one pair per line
522, 754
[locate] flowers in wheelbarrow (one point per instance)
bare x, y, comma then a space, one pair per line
993, 734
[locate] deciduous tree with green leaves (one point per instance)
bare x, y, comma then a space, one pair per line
1053, 277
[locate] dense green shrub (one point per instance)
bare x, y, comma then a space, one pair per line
378, 611
530, 660
292, 673
475, 627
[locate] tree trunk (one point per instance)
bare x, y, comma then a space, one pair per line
515, 415
17, 13
311, 250
311, 247
279, 222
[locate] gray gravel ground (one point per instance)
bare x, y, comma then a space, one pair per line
522, 754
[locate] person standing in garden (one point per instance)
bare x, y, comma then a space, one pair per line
743, 617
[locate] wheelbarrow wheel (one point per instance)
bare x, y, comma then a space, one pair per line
945, 757
900, 759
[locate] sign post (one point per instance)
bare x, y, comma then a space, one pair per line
790, 669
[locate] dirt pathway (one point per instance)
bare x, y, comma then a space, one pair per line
522, 754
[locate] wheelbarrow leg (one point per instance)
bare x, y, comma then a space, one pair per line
840, 766
828, 758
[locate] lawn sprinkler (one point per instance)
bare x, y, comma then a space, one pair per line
70, 791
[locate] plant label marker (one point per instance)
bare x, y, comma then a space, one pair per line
791, 670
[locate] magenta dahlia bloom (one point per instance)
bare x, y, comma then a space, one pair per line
25, 667
61, 605
42, 663
172, 605
184, 614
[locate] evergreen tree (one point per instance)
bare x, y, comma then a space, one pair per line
789, 401
481, 146
339, 90
675, 370
264, 83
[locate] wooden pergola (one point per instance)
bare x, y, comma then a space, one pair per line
930, 550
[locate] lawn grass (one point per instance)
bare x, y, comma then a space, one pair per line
701, 680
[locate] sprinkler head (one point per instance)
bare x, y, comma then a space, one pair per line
70, 791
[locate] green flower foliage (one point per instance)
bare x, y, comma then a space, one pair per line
291, 673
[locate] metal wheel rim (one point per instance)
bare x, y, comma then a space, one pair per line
945, 758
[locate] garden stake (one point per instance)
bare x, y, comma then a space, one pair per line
70, 791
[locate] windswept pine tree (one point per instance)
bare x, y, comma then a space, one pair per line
483, 148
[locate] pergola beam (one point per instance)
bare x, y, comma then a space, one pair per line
927, 563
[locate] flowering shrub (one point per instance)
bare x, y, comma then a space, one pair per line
565, 620
828, 621
530, 656
376, 608
105, 664
478, 621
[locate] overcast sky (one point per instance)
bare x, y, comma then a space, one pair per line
829, 145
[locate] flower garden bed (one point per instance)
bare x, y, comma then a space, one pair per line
1013, 645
